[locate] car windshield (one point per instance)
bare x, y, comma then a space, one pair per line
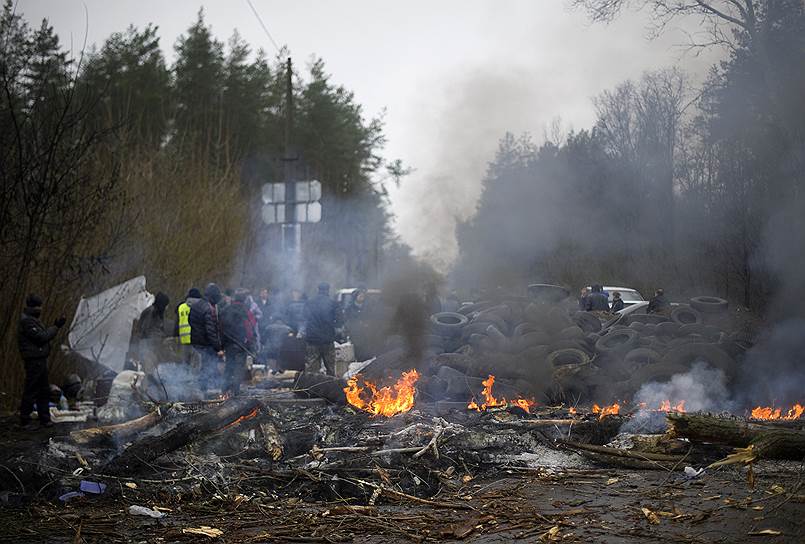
628, 296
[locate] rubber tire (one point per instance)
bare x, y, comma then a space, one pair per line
434, 341
500, 339
587, 322
637, 326
481, 342
643, 356
571, 333
621, 340
525, 328
710, 305
567, 357
491, 319
470, 309
646, 319
685, 315
668, 329
448, 323
528, 340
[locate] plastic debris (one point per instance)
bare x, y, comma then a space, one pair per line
136, 510
70, 495
95, 488
691, 472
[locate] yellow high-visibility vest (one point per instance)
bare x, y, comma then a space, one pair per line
184, 323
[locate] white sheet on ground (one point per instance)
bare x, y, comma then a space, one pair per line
101, 329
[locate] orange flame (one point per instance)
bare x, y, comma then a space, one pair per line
386, 401
491, 402
242, 418
665, 406
767, 412
611, 410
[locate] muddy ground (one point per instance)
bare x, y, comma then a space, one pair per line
498, 504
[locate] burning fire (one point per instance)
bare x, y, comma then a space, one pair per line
491, 402
665, 406
386, 401
242, 418
611, 410
767, 412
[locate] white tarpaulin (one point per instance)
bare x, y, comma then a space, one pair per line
101, 329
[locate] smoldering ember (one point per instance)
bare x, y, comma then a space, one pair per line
389, 272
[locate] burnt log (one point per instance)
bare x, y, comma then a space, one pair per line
149, 448
315, 385
767, 441
115, 434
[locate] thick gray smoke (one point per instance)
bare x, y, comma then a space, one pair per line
702, 389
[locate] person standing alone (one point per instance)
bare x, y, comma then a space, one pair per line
322, 317
34, 342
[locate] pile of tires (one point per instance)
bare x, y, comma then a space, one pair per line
522, 339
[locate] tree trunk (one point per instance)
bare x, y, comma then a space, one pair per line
769, 441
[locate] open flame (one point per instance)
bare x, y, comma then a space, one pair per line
611, 410
665, 406
386, 401
242, 418
489, 400
768, 412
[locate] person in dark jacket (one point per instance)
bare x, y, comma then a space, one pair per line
239, 335
34, 342
583, 298
597, 301
658, 303
295, 310
205, 334
617, 302
152, 320
322, 317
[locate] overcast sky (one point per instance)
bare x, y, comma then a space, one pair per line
452, 75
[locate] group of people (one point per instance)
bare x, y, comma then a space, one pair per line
596, 300
231, 326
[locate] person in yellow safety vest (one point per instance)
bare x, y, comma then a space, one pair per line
183, 321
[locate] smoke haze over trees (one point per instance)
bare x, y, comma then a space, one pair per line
684, 187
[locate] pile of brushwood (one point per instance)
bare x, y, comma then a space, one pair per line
551, 351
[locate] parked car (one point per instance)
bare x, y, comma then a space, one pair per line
628, 295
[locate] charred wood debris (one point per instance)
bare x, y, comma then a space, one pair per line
506, 387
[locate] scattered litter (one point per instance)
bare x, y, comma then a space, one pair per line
651, 516
204, 530
765, 532
94, 488
692, 473
70, 495
612, 481
136, 510
131, 485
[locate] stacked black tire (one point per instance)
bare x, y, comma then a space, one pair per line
550, 349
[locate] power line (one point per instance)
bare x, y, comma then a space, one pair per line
262, 24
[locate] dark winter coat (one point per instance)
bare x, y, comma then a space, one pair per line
295, 314
33, 336
597, 302
236, 326
204, 325
658, 303
617, 305
322, 316
151, 323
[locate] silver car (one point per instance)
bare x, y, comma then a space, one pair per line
628, 295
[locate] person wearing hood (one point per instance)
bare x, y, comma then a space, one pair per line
322, 317
182, 330
205, 334
34, 343
152, 320
238, 335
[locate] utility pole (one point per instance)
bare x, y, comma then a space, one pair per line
290, 234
